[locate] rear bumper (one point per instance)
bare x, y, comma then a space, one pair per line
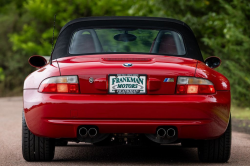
59, 115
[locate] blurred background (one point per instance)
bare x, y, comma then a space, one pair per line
222, 28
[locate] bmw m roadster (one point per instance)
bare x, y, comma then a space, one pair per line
126, 80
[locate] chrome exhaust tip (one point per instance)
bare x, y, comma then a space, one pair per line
92, 132
171, 132
161, 132
83, 132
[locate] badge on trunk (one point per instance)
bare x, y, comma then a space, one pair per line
168, 80
127, 64
91, 80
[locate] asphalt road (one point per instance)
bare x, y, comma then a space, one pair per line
83, 154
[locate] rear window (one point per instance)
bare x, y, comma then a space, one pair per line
127, 40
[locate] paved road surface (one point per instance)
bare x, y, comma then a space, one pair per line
82, 154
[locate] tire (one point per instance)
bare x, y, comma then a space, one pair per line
36, 148
61, 142
217, 150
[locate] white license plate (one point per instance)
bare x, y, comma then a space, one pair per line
127, 84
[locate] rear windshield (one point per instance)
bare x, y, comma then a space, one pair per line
127, 40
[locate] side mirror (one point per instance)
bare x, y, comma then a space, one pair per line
213, 62
37, 61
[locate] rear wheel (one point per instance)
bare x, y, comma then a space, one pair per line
36, 148
217, 150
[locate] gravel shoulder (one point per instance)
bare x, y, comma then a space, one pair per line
76, 154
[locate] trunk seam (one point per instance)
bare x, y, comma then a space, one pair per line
195, 68
58, 67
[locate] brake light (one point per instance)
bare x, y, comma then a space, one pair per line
63, 84
192, 85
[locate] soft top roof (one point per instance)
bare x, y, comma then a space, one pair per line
123, 18
64, 38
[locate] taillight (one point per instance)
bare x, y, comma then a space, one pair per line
192, 85
62, 84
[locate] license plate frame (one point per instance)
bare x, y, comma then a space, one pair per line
133, 84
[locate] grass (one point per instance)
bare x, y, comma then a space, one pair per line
240, 113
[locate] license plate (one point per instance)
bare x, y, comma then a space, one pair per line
127, 83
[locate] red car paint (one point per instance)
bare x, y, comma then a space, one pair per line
59, 115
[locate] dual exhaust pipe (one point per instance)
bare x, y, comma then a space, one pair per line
161, 132
170, 132
91, 132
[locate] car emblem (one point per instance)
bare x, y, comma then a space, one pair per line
168, 80
127, 64
91, 79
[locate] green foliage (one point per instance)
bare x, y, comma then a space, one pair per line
10, 22
29, 25
240, 113
35, 37
221, 27
141, 44
1, 75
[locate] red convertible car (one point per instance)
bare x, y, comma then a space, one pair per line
126, 80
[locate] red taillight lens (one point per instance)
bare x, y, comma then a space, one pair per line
194, 85
195, 89
181, 89
48, 88
64, 84
73, 88
204, 89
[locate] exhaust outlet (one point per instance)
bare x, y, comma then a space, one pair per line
171, 132
161, 132
92, 132
83, 132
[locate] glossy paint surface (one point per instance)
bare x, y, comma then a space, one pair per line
59, 115
195, 116
34, 79
220, 82
155, 67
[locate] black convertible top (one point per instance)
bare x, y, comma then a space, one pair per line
64, 38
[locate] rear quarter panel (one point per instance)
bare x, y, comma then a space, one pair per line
220, 82
34, 79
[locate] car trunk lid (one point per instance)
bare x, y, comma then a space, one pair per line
160, 72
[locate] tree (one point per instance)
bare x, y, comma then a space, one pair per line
30, 30
222, 29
